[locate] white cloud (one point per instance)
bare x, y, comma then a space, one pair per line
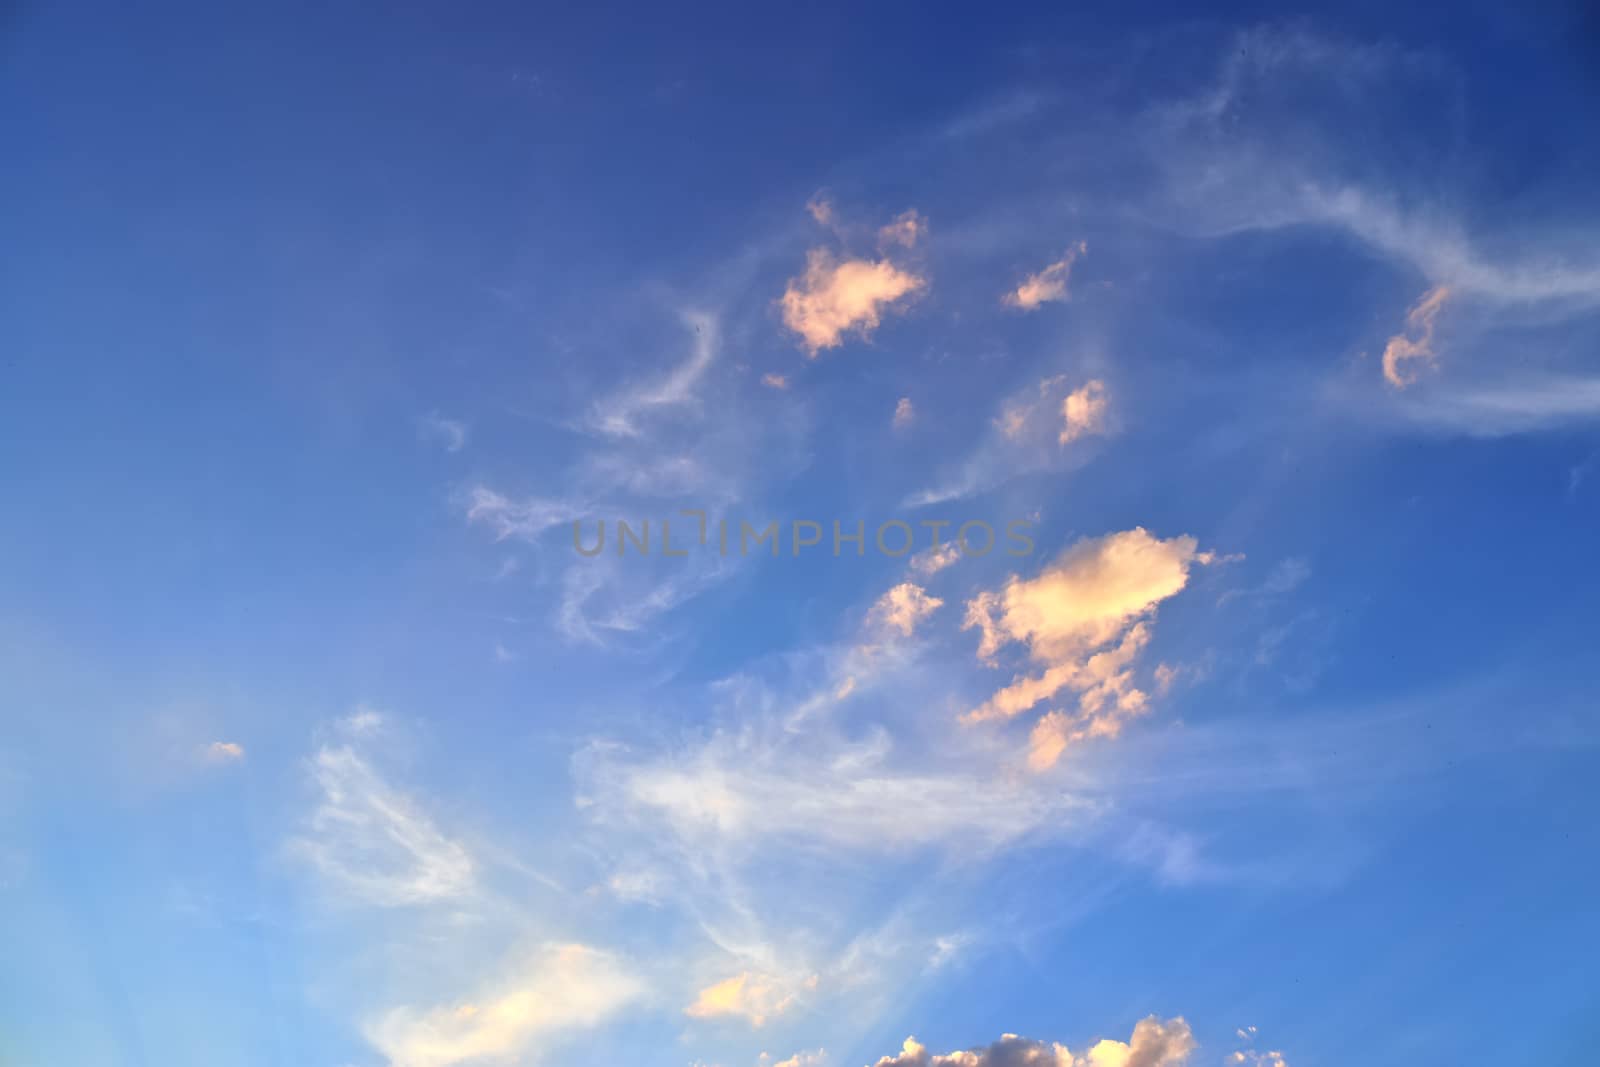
619, 414
1246, 181
373, 844
741, 790
525, 519
904, 413
362, 721
1527, 404
1252, 1058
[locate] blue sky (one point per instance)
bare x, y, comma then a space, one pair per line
1274, 331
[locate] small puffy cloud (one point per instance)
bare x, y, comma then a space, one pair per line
903, 607
1032, 416
1249, 1057
224, 752
931, 561
775, 381
821, 209
1084, 411
564, 987
1415, 344
1048, 285
833, 298
754, 997
1154, 1044
907, 229
1252, 1058
904, 413
1085, 619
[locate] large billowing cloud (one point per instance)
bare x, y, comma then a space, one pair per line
562, 987
1085, 620
1154, 1044
833, 298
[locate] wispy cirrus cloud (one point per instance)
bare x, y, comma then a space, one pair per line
644, 450
745, 790
560, 988
906, 230
1514, 285
372, 844
1415, 345
449, 434
619, 413
1028, 434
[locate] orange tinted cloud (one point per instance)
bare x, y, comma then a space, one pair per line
833, 298
906, 229
1084, 411
904, 606
1415, 345
1086, 620
755, 997
1048, 285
